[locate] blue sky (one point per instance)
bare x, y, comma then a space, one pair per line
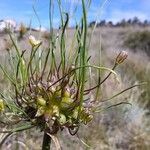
114, 10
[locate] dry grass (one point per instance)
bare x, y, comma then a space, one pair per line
121, 127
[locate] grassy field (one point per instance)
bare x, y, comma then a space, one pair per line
122, 127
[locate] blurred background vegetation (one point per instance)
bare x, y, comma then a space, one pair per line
122, 127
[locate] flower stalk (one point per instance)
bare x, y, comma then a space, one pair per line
46, 142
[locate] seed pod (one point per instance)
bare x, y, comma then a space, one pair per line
121, 57
1, 105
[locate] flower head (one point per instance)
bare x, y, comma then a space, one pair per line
121, 57
33, 41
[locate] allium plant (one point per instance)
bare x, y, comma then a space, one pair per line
48, 93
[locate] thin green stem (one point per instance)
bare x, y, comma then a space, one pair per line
83, 57
92, 66
144, 83
102, 80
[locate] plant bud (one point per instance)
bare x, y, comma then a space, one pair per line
62, 119
66, 101
23, 62
1, 105
41, 101
40, 111
56, 110
121, 57
33, 41
75, 113
67, 93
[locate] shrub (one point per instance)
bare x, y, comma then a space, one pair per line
139, 41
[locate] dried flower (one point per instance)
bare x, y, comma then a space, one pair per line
121, 57
33, 41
